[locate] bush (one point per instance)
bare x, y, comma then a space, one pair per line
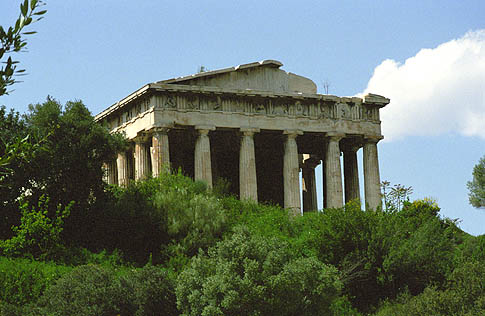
94, 290
23, 281
153, 291
250, 275
464, 295
166, 217
87, 290
379, 253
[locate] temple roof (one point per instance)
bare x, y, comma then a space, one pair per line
264, 76
267, 63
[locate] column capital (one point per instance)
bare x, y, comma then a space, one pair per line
292, 133
205, 127
350, 147
335, 136
373, 138
249, 131
159, 129
141, 138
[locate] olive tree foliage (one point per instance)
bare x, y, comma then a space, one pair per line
477, 185
13, 41
252, 275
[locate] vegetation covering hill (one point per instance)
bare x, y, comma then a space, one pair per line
71, 245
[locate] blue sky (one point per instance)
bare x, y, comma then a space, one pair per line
427, 56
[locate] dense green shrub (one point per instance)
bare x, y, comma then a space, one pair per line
464, 295
94, 290
169, 217
88, 290
23, 281
251, 275
379, 253
472, 249
153, 291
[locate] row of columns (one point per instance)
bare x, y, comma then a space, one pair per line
332, 175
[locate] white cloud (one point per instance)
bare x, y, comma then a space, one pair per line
438, 91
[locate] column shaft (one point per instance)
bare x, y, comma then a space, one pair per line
291, 177
309, 189
351, 175
202, 159
112, 173
160, 152
248, 187
371, 175
142, 167
333, 174
123, 172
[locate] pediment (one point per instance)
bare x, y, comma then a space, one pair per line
265, 76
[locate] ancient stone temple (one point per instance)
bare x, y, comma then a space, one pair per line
255, 125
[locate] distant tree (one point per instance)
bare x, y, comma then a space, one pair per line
394, 197
13, 41
477, 185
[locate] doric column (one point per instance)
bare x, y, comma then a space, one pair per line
333, 173
160, 151
371, 174
248, 186
142, 166
291, 168
123, 172
112, 172
202, 159
309, 184
351, 173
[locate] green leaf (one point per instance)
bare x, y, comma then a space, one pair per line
33, 4
17, 26
40, 12
24, 7
21, 23
29, 33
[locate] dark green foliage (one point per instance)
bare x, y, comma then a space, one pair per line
477, 185
70, 149
37, 235
472, 249
252, 275
16, 153
23, 281
169, 217
379, 253
153, 291
95, 290
464, 295
71, 167
87, 290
